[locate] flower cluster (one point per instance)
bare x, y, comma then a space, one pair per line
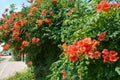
54, 2
44, 12
64, 75
24, 44
6, 47
105, 6
46, 20
17, 27
35, 40
33, 8
71, 11
38, 1
39, 22
30, 63
82, 47
109, 56
101, 36
88, 47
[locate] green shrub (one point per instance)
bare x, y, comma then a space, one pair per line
25, 75
89, 24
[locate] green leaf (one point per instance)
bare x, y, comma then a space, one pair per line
117, 69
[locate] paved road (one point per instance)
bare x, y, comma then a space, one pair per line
9, 68
3, 63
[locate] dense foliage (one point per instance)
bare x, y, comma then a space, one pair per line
26, 75
99, 23
89, 30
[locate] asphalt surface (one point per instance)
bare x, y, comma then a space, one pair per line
9, 68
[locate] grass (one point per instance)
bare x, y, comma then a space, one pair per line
26, 75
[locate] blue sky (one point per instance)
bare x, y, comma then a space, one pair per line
6, 3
